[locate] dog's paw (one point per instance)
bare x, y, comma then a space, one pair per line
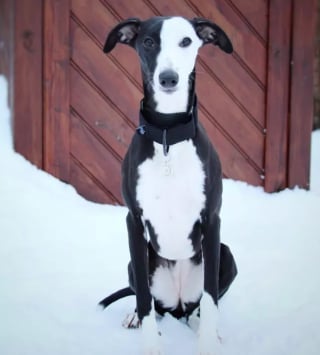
153, 351
208, 352
209, 345
152, 346
194, 321
150, 335
131, 321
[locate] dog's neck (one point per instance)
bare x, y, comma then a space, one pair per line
169, 128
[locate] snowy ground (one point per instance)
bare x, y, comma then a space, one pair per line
59, 255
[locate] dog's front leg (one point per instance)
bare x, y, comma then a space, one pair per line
139, 261
208, 336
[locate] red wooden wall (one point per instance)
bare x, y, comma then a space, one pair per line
83, 105
6, 40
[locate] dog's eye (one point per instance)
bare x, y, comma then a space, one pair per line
185, 42
148, 42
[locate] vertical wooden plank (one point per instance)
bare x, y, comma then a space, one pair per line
56, 88
6, 31
277, 95
301, 106
6, 44
28, 79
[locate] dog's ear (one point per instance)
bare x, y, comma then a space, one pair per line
209, 32
125, 32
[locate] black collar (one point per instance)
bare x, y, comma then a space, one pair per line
168, 129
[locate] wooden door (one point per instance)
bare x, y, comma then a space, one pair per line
91, 100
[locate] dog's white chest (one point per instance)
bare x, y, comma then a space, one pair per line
170, 191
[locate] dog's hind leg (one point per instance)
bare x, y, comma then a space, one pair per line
228, 269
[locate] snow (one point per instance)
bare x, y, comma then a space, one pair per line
60, 254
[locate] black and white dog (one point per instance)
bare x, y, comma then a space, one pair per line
172, 184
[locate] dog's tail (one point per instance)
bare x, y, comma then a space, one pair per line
124, 292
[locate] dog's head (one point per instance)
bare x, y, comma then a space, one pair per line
168, 47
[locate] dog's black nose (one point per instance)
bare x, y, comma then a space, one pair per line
168, 79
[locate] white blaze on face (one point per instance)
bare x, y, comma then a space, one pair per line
179, 59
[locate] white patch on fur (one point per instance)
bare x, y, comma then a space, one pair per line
181, 60
194, 320
170, 191
150, 335
208, 336
181, 282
